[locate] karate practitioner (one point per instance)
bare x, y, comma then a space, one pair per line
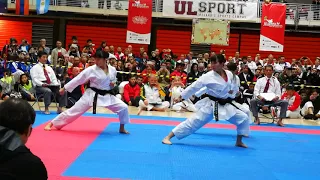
221, 89
102, 78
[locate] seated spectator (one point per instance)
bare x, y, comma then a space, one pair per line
146, 73
76, 94
16, 160
245, 76
25, 87
294, 101
7, 85
163, 76
45, 82
76, 63
194, 74
310, 108
180, 73
270, 85
177, 104
131, 93
151, 96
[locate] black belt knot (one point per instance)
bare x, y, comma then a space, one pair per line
102, 93
221, 102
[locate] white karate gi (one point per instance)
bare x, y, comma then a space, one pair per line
100, 80
152, 95
186, 104
215, 86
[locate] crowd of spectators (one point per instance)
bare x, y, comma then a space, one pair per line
152, 81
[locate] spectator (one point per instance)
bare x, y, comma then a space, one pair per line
180, 73
7, 85
76, 94
177, 104
43, 44
151, 96
163, 76
294, 101
271, 85
194, 74
25, 87
131, 93
310, 107
45, 82
16, 160
57, 53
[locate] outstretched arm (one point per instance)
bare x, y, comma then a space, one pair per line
80, 79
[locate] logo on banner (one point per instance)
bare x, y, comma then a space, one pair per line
139, 5
269, 23
139, 20
209, 9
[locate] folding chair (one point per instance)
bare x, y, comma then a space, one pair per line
40, 96
272, 112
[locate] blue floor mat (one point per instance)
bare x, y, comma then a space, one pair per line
208, 154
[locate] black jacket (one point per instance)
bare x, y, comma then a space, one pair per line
16, 160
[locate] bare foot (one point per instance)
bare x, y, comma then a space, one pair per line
123, 131
279, 123
48, 126
167, 141
241, 144
257, 121
46, 112
139, 111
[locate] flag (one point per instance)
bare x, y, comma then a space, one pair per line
273, 23
43, 6
139, 21
22, 7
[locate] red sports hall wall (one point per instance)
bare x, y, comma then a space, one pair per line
295, 46
178, 39
113, 34
14, 28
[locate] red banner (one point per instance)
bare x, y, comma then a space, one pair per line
273, 22
139, 21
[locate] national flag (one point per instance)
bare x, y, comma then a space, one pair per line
43, 6
22, 7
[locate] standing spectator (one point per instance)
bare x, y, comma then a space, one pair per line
43, 44
57, 53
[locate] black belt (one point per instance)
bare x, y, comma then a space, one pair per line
102, 93
221, 102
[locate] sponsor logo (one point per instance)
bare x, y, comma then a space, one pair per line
269, 23
137, 4
139, 20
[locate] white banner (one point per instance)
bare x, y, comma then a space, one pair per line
208, 9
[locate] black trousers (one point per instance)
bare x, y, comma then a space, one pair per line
135, 101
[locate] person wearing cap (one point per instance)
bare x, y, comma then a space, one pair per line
294, 101
102, 79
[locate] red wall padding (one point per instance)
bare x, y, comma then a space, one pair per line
295, 46
114, 35
17, 29
233, 45
175, 38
